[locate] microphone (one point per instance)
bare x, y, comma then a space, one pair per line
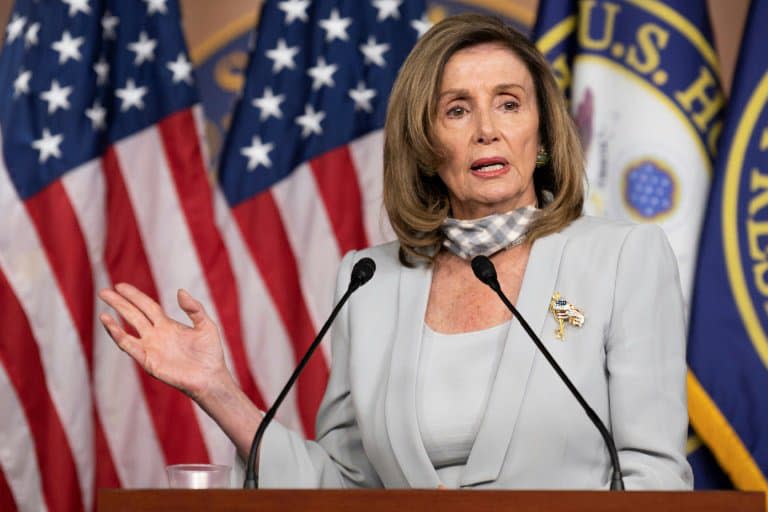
362, 272
486, 272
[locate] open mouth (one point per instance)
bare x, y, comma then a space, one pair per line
488, 164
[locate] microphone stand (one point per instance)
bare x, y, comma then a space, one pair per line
361, 273
486, 272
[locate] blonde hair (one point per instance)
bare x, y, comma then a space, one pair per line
415, 198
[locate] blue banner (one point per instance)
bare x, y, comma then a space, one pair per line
728, 345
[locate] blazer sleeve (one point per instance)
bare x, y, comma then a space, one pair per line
646, 364
337, 458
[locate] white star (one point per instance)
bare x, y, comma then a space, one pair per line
144, 49
15, 27
131, 95
387, 9
181, 69
269, 104
422, 25
30, 38
154, 6
335, 27
21, 84
374, 53
257, 153
57, 97
108, 24
310, 121
282, 56
322, 74
362, 97
98, 116
294, 10
67, 47
102, 71
48, 145
76, 6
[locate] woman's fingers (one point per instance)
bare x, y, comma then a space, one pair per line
126, 309
151, 309
125, 341
193, 308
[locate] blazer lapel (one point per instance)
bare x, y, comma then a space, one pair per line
490, 448
400, 402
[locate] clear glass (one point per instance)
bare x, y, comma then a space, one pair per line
198, 476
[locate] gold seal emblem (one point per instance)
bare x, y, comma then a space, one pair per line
564, 313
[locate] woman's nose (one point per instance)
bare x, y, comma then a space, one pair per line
486, 131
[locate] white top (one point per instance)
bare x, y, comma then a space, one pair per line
453, 384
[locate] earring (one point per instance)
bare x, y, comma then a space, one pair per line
542, 157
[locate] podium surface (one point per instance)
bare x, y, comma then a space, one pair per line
113, 500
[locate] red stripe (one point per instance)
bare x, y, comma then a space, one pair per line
65, 248
340, 191
172, 414
265, 236
59, 230
106, 473
178, 133
7, 501
20, 356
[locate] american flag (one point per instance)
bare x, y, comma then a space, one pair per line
301, 169
102, 180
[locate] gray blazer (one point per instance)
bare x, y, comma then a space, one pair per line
628, 360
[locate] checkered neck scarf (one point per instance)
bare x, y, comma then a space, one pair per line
487, 235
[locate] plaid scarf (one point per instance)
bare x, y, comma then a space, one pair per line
487, 235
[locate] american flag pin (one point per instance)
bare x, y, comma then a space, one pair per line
564, 313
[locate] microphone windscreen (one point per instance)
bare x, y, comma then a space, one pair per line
363, 271
484, 269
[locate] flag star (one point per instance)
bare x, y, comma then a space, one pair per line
269, 104
98, 116
76, 6
108, 24
102, 71
144, 49
131, 96
387, 9
335, 27
21, 84
374, 52
15, 27
294, 10
30, 38
67, 47
322, 74
282, 56
181, 69
362, 97
257, 153
48, 145
154, 6
422, 25
310, 121
57, 97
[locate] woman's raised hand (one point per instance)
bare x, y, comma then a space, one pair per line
188, 358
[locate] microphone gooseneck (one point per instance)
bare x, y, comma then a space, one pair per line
362, 272
486, 272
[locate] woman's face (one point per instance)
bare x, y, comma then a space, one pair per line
488, 122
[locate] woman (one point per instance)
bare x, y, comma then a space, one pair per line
432, 382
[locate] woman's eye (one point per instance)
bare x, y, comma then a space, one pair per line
512, 106
456, 111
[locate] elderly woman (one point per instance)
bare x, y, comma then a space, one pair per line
433, 382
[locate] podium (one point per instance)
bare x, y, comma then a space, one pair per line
114, 500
